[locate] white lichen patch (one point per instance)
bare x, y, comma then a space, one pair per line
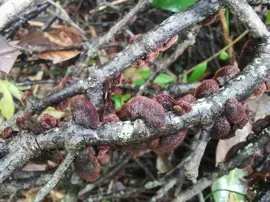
126, 131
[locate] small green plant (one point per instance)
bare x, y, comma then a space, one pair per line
120, 99
197, 72
173, 5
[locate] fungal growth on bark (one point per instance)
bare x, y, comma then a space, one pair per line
84, 113
206, 88
224, 74
141, 107
166, 101
48, 122
221, 128
258, 91
170, 142
152, 55
209, 20
234, 110
86, 165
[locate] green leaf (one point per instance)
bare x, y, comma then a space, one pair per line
185, 80
54, 113
120, 99
173, 5
138, 82
233, 181
224, 55
163, 79
144, 73
267, 21
198, 72
6, 102
13, 89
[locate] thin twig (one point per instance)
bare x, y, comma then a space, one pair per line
188, 40
225, 167
56, 176
192, 167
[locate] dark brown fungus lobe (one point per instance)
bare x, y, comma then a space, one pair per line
141, 107
166, 101
235, 111
248, 52
259, 125
48, 122
247, 116
64, 82
209, 20
168, 44
206, 88
267, 83
258, 178
28, 122
86, 165
258, 91
250, 137
224, 74
171, 142
254, 161
188, 98
102, 150
84, 113
182, 107
153, 144
221, 128
135, 148
234, 149
111, 118
151, 55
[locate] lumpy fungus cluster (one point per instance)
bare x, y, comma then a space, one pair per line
150, 56
153, 111
259, 162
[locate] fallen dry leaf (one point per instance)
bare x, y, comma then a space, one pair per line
30, 194
65, 36
8, 55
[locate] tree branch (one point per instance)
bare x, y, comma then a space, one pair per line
248, 17
203, 112
225, 167
11, 9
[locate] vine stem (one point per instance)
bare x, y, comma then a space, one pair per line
216, 54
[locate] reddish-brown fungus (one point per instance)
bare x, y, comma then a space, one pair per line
206, 88
141, 107
235, 111
168, 44
86, 165
84, 113
258, 91
166, 101
171, 142
221, 128
224, 74
48, 122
